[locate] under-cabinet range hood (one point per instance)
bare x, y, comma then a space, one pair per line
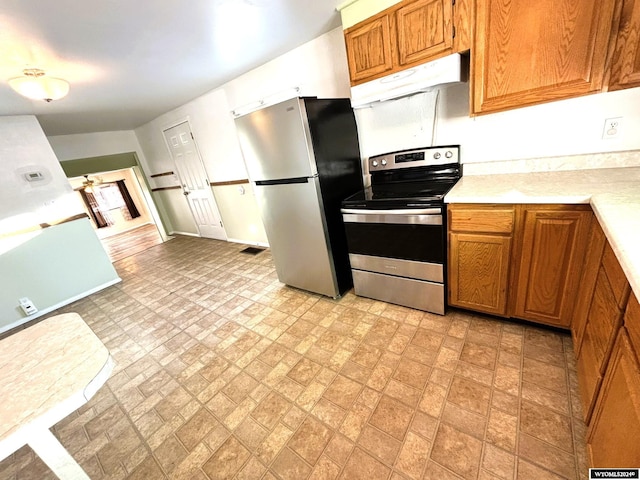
418, 79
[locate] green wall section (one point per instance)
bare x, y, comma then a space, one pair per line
105, 163
53, 268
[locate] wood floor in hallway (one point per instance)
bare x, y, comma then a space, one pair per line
134, 241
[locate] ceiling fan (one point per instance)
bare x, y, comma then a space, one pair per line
89, 184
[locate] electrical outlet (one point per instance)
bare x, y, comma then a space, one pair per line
612, 128
27, 306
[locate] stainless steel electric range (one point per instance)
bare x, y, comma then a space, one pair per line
396, 228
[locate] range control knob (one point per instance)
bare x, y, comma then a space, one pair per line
437, 155
448, 154
383, 162
374, 163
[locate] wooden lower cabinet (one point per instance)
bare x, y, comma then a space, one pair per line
588, 281
604, 318
612, 438
479, 272
554, 242
479, 256
520, 261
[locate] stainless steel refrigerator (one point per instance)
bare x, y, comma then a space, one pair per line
303, 159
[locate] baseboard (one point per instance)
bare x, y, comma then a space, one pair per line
247, 242
188, 234
50, 309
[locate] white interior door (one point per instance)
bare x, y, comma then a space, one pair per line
195, 184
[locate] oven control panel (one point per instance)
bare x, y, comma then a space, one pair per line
420, 157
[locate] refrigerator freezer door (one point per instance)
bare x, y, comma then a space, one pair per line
295, 227
276, 142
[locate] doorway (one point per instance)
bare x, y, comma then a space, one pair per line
118, 211
194, 180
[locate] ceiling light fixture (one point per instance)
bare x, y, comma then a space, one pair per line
36, 85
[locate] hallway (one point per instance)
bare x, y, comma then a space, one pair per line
129, 243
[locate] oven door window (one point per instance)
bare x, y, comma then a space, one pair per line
421, 243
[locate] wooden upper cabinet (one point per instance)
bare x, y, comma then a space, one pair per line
554, 242
625, 65
528, 52
369, 48
402, 36
424, 29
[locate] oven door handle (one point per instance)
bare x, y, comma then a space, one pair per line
399, 211
394, 218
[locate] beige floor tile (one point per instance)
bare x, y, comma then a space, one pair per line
392, 417
224, 372
270, 410
325, 469
547, 425
362, 466
480, 355
196, 428
343, 391
288, 466
546, 456
310, 440
469, 395
382, 446
464, 420
227, 460
413, 456
170, 454
457, 451
498, 462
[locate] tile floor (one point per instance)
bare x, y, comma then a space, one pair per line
222, 372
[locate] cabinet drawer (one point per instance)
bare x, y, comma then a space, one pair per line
616, 276
481, 219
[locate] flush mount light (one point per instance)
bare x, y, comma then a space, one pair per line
36, 85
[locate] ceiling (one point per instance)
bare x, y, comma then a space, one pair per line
130, 61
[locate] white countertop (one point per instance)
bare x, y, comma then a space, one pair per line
613, 193
46, 372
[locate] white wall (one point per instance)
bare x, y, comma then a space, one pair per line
87, 145
24, 148
47, 265
318, 68
567, 127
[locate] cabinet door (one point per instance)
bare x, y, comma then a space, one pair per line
625, 66
424, 30
479, 272
369, 48
554, 241
603, 322
532, 52
463, 21
588, 280
612, 438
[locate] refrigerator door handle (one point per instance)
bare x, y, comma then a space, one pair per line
282, 181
